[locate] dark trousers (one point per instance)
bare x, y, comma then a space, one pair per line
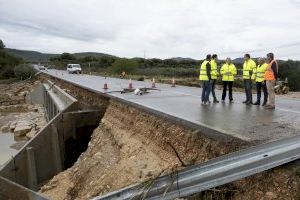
263, 86
225, 83
248, 90
213, 86
206, 87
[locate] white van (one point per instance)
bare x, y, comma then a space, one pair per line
74, 68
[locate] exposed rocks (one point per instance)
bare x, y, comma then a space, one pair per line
22, 128
15, 93
18, 108
271, 195
24, 123
5, 129
12, 126
31, 133
17, 118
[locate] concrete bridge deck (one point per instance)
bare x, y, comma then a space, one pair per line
249, 123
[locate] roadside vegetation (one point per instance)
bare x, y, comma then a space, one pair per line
185, 71
13, 68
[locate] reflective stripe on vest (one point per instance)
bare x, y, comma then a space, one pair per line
260, 72
228, 72
203, 73
269, 74
213, 72
247, 67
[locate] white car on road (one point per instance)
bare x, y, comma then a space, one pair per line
41, 67
74, 68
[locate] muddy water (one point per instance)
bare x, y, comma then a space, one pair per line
6, 139
6, 152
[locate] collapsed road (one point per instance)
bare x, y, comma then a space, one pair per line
218, 130
248, 123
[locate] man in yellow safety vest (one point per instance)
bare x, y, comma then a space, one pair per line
228, 71
248, 67
205, 77
214, 75
258, 75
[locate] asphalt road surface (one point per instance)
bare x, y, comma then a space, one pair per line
246, 122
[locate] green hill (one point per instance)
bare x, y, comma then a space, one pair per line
94, 54
35, 56
31, 56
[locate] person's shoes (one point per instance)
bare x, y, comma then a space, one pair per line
256, 103
264, 104
205, 103
216, 101
202, 103
231, 101
208, 102
223, 101
248, 103
245, 101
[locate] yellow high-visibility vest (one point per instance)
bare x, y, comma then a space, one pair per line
214, 72
259, 73
247, 67
228, 71
203, 73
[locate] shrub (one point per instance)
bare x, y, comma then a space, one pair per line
123, 64
24, 71
290, 69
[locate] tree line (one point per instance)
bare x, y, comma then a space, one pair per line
15, 67
161, 67
12, 67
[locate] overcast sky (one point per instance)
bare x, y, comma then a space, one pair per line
163, 28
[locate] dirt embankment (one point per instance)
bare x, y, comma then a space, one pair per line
128, 147
131, 146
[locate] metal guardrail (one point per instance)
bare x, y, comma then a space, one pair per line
216, 172
55, 99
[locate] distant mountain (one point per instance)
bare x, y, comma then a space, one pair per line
94, 54
238, 60
181, 59
35, 56
32, 56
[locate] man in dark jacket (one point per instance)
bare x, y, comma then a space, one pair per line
205, 77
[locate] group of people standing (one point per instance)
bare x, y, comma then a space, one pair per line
264, 74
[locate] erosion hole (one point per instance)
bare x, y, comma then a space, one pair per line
74, 147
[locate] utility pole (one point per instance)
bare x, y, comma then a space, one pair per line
144, 58
90, 68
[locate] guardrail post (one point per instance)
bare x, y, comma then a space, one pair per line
56, 149
31, 167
